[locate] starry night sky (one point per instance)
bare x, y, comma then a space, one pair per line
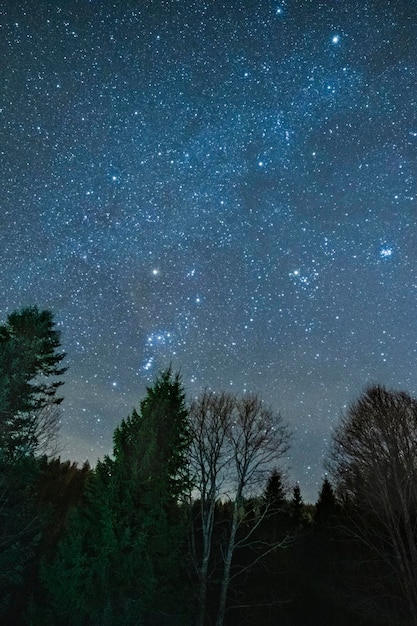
227, 186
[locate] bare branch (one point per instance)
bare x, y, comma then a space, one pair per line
374, 465
236, 441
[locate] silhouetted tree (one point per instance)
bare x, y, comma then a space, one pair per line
29, 371
29, 379
210, 418
373, 462
326, 505
123, 560
60, 488
275, 495
234, 442
297, 504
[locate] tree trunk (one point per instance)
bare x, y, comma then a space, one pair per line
207, 522
202, 593
227, 566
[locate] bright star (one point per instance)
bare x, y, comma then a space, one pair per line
148, 364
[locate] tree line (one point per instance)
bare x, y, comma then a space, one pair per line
191, 520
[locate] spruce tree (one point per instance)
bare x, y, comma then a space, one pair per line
130, 535
297, 505
151, 447
274, 496
29, 378
326, 505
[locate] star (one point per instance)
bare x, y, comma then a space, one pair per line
225, 199
386, 252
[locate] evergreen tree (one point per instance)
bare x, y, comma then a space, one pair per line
99, 574
20, 529
130, 535
29, 371
274, 496
326, 504
297, 504
28, 383
152, 447
157, 439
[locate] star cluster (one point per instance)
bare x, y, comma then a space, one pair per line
229, 187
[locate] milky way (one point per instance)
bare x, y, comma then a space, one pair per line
229, 187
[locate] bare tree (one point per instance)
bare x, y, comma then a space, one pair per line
235, 442
210, 419
373, 462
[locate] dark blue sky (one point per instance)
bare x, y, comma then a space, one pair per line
227, 186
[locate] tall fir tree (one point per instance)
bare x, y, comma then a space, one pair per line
297, 504
130, 535
274, 495
29, 379
326, 505
152, 446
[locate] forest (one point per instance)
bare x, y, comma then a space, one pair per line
191, 521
